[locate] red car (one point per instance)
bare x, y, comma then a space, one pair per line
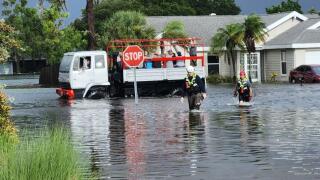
305, 73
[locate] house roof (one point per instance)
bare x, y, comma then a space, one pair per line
206, 27
300, 34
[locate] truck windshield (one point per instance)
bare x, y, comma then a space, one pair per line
65, 64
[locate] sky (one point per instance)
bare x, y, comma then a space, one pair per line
247, 6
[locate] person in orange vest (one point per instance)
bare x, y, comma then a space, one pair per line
243, 89
194, 88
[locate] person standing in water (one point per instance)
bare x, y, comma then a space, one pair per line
243, 89
194, 88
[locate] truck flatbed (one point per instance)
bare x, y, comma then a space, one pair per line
159, 74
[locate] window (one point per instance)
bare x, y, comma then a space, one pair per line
242, 61
83, 63
300, 68
283, 63
99, 62
316, 69
213, 64
65, 64
308, 69
76, 63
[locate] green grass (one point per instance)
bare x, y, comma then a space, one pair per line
50, 156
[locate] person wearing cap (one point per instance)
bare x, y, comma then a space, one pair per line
243, 88
180, 63
194, 88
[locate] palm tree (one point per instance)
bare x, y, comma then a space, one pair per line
253, 33
175, 29
90, 21
226, 40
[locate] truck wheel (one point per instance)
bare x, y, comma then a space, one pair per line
96, 94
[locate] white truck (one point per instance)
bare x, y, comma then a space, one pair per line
95, 74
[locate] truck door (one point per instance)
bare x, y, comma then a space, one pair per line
82, 72
101, 70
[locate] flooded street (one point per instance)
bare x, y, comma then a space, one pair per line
277, 138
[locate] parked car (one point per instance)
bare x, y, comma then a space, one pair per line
305, 73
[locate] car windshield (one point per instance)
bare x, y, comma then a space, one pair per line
316, 69
65, 64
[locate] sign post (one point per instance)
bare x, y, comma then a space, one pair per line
133, 56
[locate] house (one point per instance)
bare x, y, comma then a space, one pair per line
282, 51
6, 68
298, 45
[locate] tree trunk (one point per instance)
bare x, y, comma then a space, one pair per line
41, 7
234, 67
233, 61
249, 71
16, 59
90, 21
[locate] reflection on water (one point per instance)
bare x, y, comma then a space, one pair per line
277, 138
19, 80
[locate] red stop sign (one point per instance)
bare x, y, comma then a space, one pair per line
133, 56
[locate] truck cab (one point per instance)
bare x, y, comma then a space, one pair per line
83, 74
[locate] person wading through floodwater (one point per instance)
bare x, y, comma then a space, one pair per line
243, 89
194, 88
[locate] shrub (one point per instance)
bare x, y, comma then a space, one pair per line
7, 128
216, 79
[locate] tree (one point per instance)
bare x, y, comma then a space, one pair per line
26, 21
174, 29
56, 41
226, 40
165, 8
313, 10
90, 22
105, 9
61, 4
8, 41
126, 25
220, 7
41, 34
285, 6
253, 33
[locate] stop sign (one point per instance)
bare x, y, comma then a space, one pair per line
133, 56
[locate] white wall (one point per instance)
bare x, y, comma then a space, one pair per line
224, 68
6, 68
282, 28
299, 55
312, 56
290, 63
273, 63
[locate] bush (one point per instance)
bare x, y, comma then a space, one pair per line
7, 128
216, 79
51, 156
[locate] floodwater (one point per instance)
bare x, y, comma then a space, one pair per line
276, 138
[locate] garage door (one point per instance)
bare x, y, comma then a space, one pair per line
313, 57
